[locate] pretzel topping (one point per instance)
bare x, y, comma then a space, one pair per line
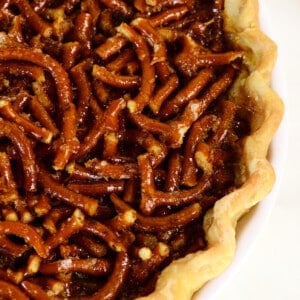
117, 134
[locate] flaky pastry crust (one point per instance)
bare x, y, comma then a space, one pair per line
183, 277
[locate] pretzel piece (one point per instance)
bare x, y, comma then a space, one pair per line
12, 248
148, 75
9, 290
119, 6
105, 169
33, 18
55, 189
67, 229
8, 185
35, 291
82, 82
198, 133
111, 46
102, 231
23, 146
116, 280
26, 232
187, 93
7, 111
108, 121
99, 188
167, 16
152, 198
120, 81
91, 266
156, 224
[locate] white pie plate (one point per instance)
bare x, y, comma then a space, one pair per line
251, 225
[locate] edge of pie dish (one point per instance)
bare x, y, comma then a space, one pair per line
183, 277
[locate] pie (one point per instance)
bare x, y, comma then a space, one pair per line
133, 137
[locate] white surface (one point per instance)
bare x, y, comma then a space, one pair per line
272, 268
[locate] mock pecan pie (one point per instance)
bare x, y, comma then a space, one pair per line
133, 136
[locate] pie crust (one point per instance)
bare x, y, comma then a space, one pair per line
183, 277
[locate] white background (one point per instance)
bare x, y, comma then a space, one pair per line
272, 268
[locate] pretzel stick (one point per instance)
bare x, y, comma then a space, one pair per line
42, 206
157, 150
111, 46
171, 136
193, 88
120, 6
26, 232
16, 29
10, 276
120, 81
23, 146
91, 266
22, 69
197, 133
196, 107
92, 245
156, 224
7, 111
152, 198
72, 225
99, 188
137, 104
204, 158
54, 216
121, 60
55, 189
164, 4
33, 18
153, 38
83, 84
105, 169
174, 172
79, 172
116, 279
108, 121
172, 14
105, 233
218, 31
10, 291
43, 117
35, 291
163, 93
146, 267
190, 63
9, 186
227, 118
70, 52
83, 31
92, 7
110, 145
11, 248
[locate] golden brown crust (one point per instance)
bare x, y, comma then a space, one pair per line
257, 175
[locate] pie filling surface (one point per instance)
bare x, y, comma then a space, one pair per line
133, 136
